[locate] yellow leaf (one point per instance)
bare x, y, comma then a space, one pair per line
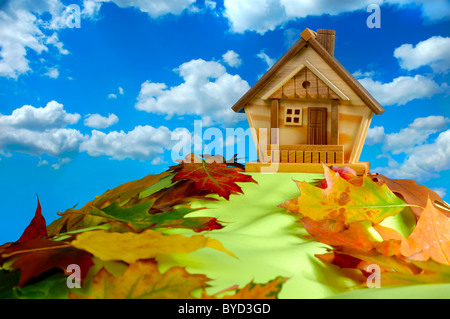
130, 247
142, 280
344, 201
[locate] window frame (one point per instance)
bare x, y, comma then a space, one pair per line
289, 112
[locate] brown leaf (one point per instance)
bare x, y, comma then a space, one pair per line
410, 191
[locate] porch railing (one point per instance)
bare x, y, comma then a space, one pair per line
330, 154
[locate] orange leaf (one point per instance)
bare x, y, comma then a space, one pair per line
430, 238
335, 233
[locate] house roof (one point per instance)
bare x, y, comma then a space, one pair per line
309, 37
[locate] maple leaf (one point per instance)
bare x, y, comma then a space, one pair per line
430, 238
410, 191
344, 201
130, 247
214, 177
37, 227
143, 280
269, 290
142, 204
35, 256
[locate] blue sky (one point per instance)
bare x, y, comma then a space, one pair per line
84, 109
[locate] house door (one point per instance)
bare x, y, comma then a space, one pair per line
317, 125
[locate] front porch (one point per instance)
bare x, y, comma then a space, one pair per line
303, 159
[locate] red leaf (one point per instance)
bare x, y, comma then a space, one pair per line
210, 225
214, 177
37, 227
35, 256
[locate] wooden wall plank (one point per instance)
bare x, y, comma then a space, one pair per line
274, 115
299, 89
315, 157
284, 157
330, 157
323, 157
291, 158
339, 158
311, 91
307, 157
299, 156
334, 122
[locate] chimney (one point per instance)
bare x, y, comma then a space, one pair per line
326, 39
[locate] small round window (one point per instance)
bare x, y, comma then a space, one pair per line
306, 84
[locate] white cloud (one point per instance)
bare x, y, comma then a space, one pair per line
38, 131
265, 15
61, 162
112, 96
154, 8
290, 36
402, 89
267, 60
21, 30
433, 52
432, 10
52, 73
28, 117
98, 121
120, 90
143, 142
207, 91
375, 135
417, 133
424, 159
232, 58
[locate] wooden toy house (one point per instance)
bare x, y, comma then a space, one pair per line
308, 110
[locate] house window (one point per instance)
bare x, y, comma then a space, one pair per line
293, 116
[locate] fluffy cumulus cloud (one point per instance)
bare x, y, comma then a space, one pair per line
154, 8
402, 89
22, 30
424, 159
207, 91
232, 58
143, 142
433, 52
265, 15
45, 131
33, 26
38, 131
98, 121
